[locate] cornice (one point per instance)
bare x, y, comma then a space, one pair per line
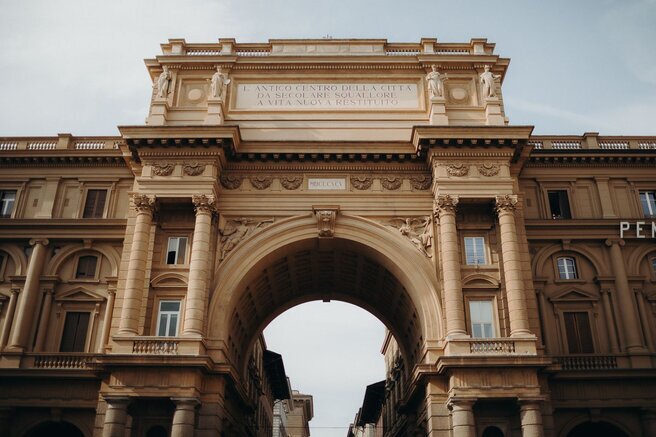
592, 157
59, 158
294, 167
110, 229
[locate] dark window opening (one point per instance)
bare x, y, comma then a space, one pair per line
559, 205
94, 207
7, 200
579, 335
75, 332
86, 267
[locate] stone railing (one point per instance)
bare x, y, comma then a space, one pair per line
61, 142
491, 346
592, 141
587, 362
61, 361
156, 346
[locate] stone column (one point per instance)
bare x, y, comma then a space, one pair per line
107, 322
627, 307
610, 320
530, 415
29, 297
134, 283
11, 309
184, 417
116, 416
462, 418
512, 267
194, 317
644, 316
45, 318
445, 211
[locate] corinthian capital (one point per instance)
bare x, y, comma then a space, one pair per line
506, 203
445, 204
204, 203
143, 203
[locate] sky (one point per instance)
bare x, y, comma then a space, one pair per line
576, 66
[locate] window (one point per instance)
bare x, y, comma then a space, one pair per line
7, 200
559, 204
94, 207
75, 332
648, 200
176, 250
567, 268
167, 321
481, 313
86, 267
475, 250
3, 259
653, 264
579, 335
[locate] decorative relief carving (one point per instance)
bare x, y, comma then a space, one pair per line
420, 182
488, 169
193, 168
230, 182
446, 204
291, 182
261, 182
362, 182
506, 203
391, 182
417, 230
163, 168
326, 219
143, 202
457, 169
204, 203
236, 230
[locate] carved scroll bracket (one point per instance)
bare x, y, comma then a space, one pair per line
326, 218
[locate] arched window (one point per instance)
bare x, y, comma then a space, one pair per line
567, 268
492, 431
86, 267
55, 429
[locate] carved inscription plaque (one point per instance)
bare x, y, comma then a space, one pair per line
326, 184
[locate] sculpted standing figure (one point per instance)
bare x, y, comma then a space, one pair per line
219, 80
163, 82
489, 84
435, 81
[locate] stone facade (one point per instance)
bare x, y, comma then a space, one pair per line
137, 272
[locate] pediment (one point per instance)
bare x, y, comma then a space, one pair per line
169, 279
574, 295
480, 281
80, 295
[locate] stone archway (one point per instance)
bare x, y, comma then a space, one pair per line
595, 429
55, 429
286, 264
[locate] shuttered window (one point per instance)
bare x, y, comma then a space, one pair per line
86, 267
75, 332
579, 334
94, 207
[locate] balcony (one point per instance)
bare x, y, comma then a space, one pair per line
160, 346
59, 361
491, 346
587, 362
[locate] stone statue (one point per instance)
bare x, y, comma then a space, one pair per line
435, 81
236, 231
489, 84
417, 230
163, 82
219, 80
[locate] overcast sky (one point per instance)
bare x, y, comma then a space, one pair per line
76, 66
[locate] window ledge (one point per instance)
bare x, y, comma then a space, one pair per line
570, 281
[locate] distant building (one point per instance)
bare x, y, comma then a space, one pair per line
516, 273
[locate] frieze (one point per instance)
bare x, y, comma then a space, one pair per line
291, 182
163, 168
488, 169
417, 230
457, 169
422, 182
193, 168
261, 182
236, 230
230, 182
391, 182
362, 182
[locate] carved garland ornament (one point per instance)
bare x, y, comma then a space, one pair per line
391, 182
193, 168
420, 182
230, 182
291, 182
261, 182
488, 169
457, 169
163, 169
362, 182
143, 203
204, 203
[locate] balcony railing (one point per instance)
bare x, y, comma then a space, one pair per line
62, 361
592, 141
492, 347
587, 362
156, 346
58, 143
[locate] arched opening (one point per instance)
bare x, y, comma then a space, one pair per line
55, 429
596, 429
492, 431
156, 431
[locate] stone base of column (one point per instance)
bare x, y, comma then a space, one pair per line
493, 116
438, 115
215, 113
158, 112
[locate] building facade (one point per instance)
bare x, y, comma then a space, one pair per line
515, 273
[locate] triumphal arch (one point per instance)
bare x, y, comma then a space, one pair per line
139, 271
